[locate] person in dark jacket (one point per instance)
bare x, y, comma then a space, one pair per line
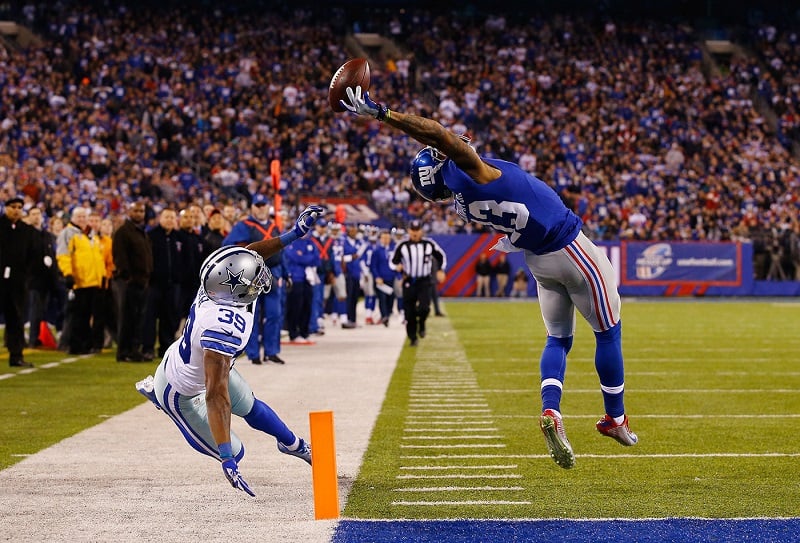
214, 233
17, 253
133, 263
162, 317
192, 249
44, 274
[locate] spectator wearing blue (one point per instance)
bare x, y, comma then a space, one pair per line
384, 273
302, 260
353, 252
339, 290
268, 316
322, 241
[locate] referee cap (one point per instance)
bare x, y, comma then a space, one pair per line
415, 225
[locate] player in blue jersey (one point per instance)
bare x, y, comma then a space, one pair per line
196, 384
571, 272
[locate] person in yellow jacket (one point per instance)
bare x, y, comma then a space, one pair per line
80, 259
103, 318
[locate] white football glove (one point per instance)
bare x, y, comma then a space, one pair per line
361, 104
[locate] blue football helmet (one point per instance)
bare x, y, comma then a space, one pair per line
426, 175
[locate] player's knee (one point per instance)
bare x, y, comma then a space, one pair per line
560, 343
611, 335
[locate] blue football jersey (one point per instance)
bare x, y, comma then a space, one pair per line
517, 204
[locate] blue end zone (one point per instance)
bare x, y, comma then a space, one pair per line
471, 531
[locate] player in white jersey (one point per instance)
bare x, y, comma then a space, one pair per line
571, 272
196, 384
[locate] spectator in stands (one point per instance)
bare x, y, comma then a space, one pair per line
44, 275
500, 271
519, 288
163, 293
214, 233
353, 251
384, 273
192, 250
483, 276
320, 291
80, 259
103, 305
268, 317
133, 265
18, 255
302, 259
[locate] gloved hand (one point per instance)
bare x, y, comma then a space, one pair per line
363, 104
307, 219
231, 470
69, 282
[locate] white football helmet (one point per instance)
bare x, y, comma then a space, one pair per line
234, 276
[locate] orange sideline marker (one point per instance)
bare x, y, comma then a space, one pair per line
323, 465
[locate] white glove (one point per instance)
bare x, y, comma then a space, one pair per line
363, 105
504, 246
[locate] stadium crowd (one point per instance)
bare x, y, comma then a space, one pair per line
186, 107
624, 119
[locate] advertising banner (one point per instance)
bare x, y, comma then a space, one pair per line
670, 263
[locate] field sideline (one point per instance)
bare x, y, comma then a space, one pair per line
713, 391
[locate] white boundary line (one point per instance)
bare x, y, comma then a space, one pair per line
603, 456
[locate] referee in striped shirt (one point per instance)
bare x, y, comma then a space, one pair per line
414, 258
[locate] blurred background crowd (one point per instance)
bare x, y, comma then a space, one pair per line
642, 127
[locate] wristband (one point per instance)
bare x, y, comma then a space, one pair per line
383, 113
288, 237
225, 451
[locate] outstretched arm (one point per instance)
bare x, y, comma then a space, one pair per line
268, 247
427, 132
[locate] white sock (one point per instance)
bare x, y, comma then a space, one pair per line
619, 420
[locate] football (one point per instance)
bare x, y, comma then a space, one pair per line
352, 73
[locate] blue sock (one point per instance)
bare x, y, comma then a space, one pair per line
610, 369
263, 418
553, 366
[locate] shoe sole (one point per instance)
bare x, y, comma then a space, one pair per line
561, 453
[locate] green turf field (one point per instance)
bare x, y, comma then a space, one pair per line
44, 407
712, 390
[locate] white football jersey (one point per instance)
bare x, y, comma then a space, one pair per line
209, 326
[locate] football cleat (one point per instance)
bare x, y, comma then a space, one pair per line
621, 432
146, 389
303, 450
556, 438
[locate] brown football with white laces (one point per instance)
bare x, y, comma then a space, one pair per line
354, 72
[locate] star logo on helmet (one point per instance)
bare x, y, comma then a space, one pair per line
234, 280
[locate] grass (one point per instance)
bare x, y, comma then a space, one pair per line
46, 406
712, 389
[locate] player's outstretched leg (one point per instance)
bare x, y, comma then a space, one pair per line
556, 438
